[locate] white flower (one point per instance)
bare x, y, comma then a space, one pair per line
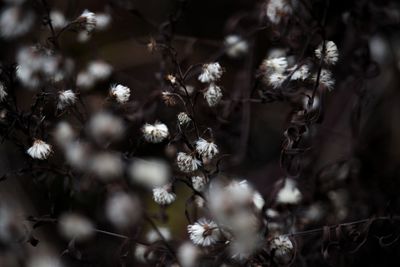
325, 79
282, 249
57, 19
89, 20
213, 94
276, 80
122, 209
152, 236
235, 46
187, 163
151, 173
99, 69
74, 226
155, 133
289, 194
15, 22
301, 73
275, 65
66, 98
39, 150
3, 92
206, 150
211, 72
331, 55
121, 93
188, 255
277, 9
183, 118
199, 183
204, 232
163, 195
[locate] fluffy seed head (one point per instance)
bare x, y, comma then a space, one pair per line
39, 150
183, 118
331, 55
66, 98
213, 95
199, 183
155, 133
120, 93
88, 20
3, 92
163, 195
235, 46
211, 72
204, 232
206, 150
187, 163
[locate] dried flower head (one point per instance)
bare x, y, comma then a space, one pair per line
276, 80
300, 73
183, 118
282, 249
331, 53
57, 19
88, 20
211, 72
171, 78
3, 92
274, 65
65, 99
39, 150
204, 232
235, 46
206, 150
164, 195
187, 163
278, 10
289, 194
155, 133
325, 79
213, 95
120, 93
168, 98
199, 183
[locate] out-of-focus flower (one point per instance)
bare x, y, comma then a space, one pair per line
155, 133
274, 65
11, 227
66, 98
122, 210
289, 194
44, 260
57, 19
99, 69
39, 150
15, 22
300, 73
64, 134
88, 20
188, 254
103, 21
204, 232
85, 80
276, 79
3, 92
164, 195
331, 55
153, 236
325, 79
183, 118
142, 254
187, 163
206, 150
120, 93
211, 72
106, 165
77, 154
278, 10
235, 46
199, 183
282, 249
105, 127
74, 226
150, 173
213, 94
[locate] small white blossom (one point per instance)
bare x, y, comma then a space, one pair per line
57, 19
276, 80
163, 195
213, 95
3, 92
122, 209
235, 46
211, 72
204, 232
74, 226
152, 236
277, 10
99, 69
289, 194
206, 150
187, 163
66, 98
325, 79
121, 93
275, 65
89, 20
15, 22
155, 133
183, 118
331, 55
39, 150
199, 183
151, 173
282, 249
301, 73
